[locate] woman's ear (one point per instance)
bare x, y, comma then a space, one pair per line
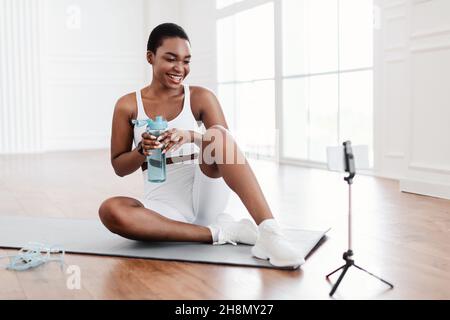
150, 57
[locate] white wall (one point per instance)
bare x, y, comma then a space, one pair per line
92, 53
412, 113
64, 64
20, 84
199, 20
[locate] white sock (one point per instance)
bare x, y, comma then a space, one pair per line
214, 233
271, 223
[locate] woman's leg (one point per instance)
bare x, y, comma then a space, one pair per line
221, 157
129, 218
210, 197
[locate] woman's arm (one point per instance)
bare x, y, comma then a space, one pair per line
206, 102
196, 137
124, 160
209, 109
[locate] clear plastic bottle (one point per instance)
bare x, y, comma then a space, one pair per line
156, 162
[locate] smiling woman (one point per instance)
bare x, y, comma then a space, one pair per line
173, 61
202, 168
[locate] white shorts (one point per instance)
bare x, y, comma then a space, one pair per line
187, 195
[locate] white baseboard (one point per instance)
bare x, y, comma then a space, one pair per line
438, 190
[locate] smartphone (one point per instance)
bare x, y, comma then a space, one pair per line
336, 157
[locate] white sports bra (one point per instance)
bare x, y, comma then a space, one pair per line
185, 120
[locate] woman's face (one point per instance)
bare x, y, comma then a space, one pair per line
171, 62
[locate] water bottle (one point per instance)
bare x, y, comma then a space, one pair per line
156, 162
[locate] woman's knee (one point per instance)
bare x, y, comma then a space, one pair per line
217, 131
220, 147
214, 144
112, 214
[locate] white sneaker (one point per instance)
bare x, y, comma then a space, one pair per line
273, 246
234, 232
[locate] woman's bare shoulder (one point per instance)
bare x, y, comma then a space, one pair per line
202, 100
205, 103
201, 96
127, 104
198, 92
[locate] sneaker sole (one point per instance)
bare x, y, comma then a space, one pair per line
260, 254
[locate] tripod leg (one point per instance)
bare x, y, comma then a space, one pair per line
328, 275
389, 284
340, 279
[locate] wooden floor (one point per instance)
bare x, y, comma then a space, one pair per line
404, 238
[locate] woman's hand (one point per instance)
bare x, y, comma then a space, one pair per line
173, 139
150, 143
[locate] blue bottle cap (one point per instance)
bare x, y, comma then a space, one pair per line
158, 124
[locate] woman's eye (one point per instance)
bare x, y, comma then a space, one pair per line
173, 60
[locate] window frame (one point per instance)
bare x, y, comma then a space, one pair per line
279, 79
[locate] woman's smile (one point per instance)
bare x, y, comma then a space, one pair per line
175, 78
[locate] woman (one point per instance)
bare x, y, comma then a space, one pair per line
188, 206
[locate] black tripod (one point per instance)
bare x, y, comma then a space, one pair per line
348, 255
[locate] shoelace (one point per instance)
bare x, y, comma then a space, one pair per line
225, 237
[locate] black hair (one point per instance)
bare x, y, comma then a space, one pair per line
162, 32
